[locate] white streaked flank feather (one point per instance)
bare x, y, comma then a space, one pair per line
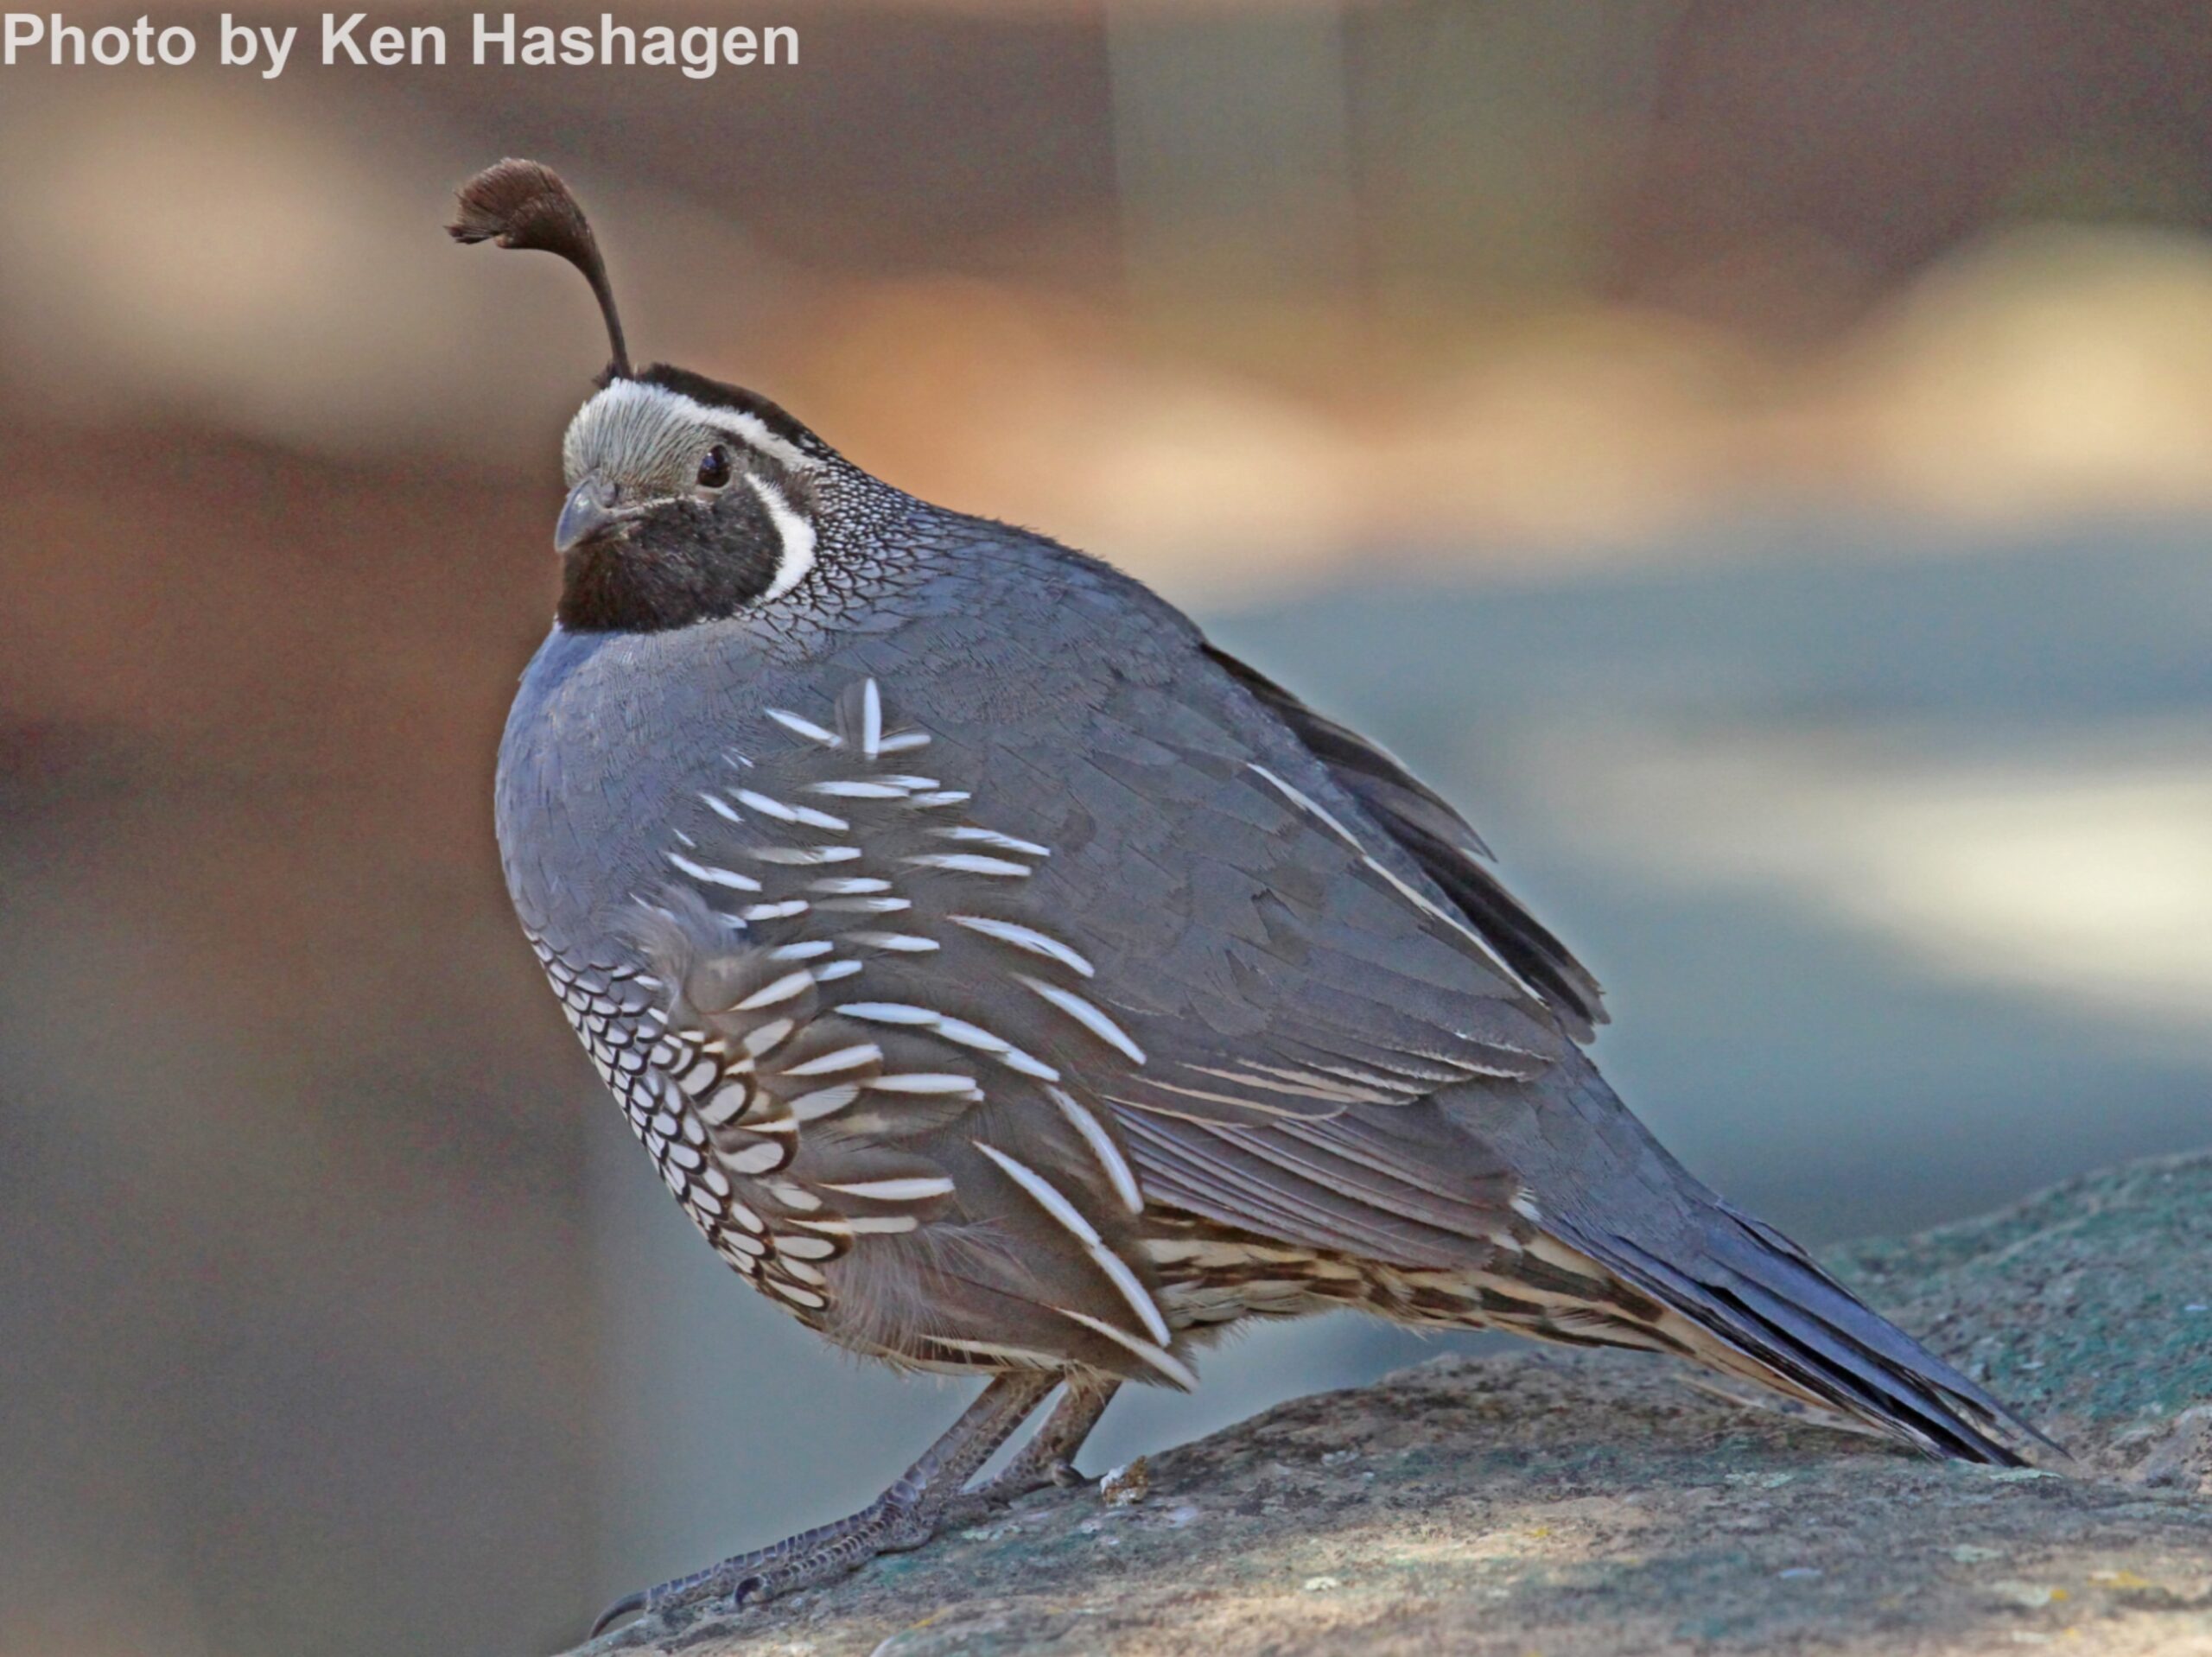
1158, 1356
708, 875
769, 806
970, 863
871, 719
1026, 937
1055, 1202
917, 1188
1091, 1017
1119, 1174
790, 984
806, 728
991, 837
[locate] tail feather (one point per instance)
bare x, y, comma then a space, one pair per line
1889, 1345
1760, 1298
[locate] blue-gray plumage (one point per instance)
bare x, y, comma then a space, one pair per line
1008, 981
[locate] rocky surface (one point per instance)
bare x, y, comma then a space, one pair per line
1571, 1505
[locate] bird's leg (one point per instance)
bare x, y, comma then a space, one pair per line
1048, 1456
904, 1516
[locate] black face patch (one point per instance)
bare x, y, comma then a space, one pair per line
680, 562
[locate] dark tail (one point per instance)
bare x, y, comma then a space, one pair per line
1761, 1297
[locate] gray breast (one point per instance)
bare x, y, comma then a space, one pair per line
813, 976
920, 963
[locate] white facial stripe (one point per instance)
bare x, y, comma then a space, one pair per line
797, 536
756, 435
638, 411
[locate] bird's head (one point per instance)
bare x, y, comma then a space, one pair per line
689, 499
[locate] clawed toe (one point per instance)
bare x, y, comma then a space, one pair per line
628, 1605
905, 1516
703, 1588
888, 1525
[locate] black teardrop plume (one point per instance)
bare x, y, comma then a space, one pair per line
524, 203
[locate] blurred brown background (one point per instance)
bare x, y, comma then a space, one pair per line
1756, 455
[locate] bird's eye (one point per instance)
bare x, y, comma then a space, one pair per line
714, 471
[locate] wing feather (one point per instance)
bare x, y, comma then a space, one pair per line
1439, 839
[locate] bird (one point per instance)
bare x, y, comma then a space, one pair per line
1010, 982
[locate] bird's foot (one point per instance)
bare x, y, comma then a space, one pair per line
905, 1516
1020, 1477
1047, 1460
894, 1521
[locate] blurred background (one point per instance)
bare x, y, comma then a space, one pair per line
1756, 456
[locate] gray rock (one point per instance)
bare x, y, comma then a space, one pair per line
1586, 1505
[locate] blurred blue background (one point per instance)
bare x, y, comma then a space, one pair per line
1754, 457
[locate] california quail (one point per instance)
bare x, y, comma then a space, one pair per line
1010, 982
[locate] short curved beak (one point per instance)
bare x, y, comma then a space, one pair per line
588, 514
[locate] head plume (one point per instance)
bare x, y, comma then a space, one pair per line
522, 204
